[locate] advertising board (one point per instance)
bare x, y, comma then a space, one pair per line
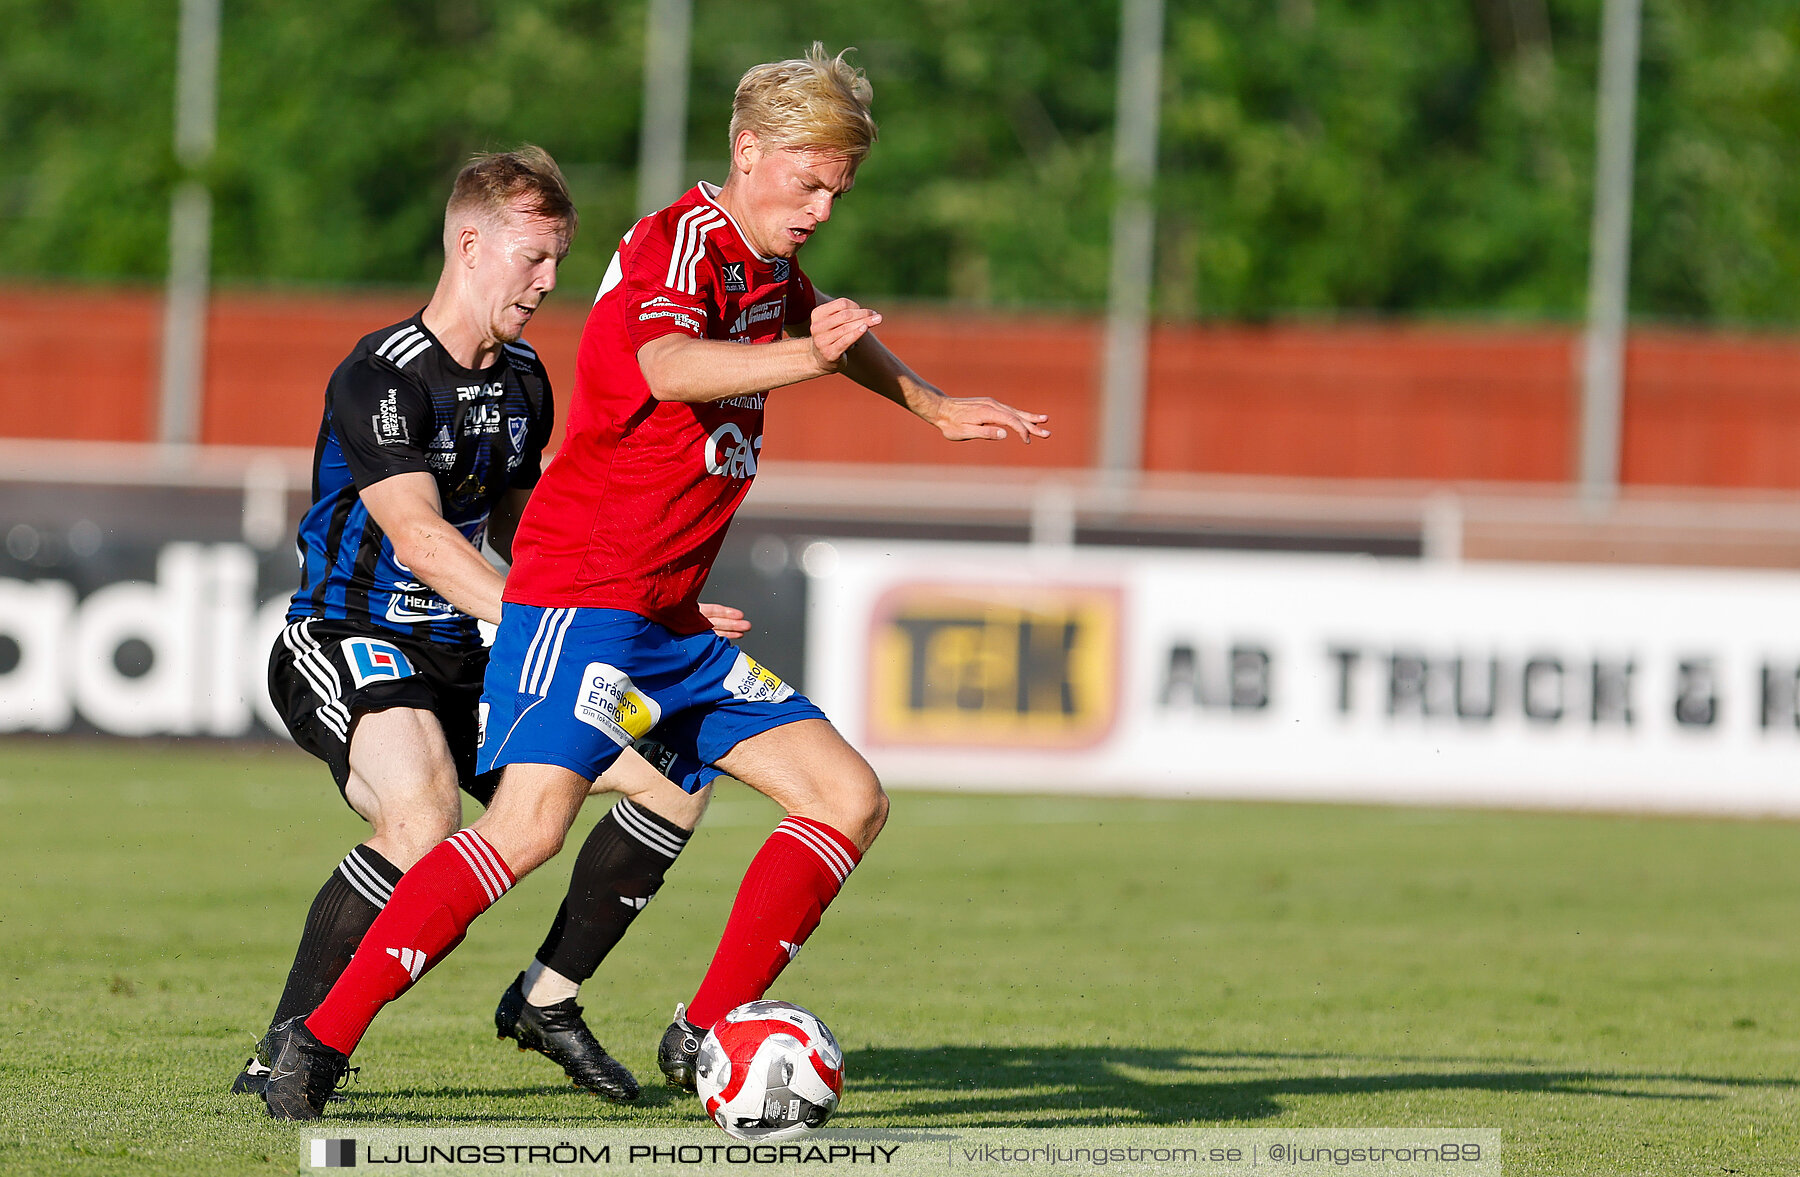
1340, 677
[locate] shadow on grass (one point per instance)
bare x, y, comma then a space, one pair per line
526, 1102
1075, 1086
992, 1086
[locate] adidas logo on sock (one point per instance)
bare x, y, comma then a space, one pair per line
411, 959
633, 901
793, 950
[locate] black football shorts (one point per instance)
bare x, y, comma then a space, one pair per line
324, 675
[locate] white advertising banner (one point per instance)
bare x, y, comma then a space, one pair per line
198, 633
1329, 677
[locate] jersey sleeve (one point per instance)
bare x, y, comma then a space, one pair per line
801, 299
669, 281
381, 419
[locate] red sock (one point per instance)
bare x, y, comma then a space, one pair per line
433, 904
791, 881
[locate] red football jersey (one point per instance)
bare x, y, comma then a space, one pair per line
632, 510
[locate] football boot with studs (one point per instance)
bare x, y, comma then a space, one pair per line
303, 1072
678, 1050
558, 1033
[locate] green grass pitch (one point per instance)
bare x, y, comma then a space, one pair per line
1614, 995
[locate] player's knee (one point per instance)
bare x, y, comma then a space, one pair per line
416, 815
529, 845
856, 804
414, 829
879, 817
875, 812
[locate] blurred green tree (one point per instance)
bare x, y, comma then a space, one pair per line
1318, 156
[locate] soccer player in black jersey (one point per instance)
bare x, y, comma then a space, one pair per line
431, 440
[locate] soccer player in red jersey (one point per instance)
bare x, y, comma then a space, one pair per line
601, 640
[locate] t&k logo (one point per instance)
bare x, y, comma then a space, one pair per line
995, 665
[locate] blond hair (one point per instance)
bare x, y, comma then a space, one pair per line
492, 182
813, 103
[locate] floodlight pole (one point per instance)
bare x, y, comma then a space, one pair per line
1609, 262
662, 145
1127, 348
190, 226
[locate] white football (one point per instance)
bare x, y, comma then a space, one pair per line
769, 1071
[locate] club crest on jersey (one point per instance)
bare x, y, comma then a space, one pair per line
371, 661
516, 428
735, 282
781, 269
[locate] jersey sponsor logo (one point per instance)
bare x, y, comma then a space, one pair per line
735, 282
413, 603
481, 716
753, 400
996, 665
682, 318
371, 661
729, 454
752, 682
661, 307
475, 392
781, 269
608, 700
481, 420
762, 312
442, 454
390, 426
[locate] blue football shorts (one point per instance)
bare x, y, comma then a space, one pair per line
575, 687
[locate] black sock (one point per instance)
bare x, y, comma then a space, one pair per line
619, 868
345, 907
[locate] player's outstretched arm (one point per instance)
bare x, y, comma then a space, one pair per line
408, 510
683, 368
872, 365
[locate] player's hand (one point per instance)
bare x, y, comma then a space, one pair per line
727, 622
836, 326
973, 418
